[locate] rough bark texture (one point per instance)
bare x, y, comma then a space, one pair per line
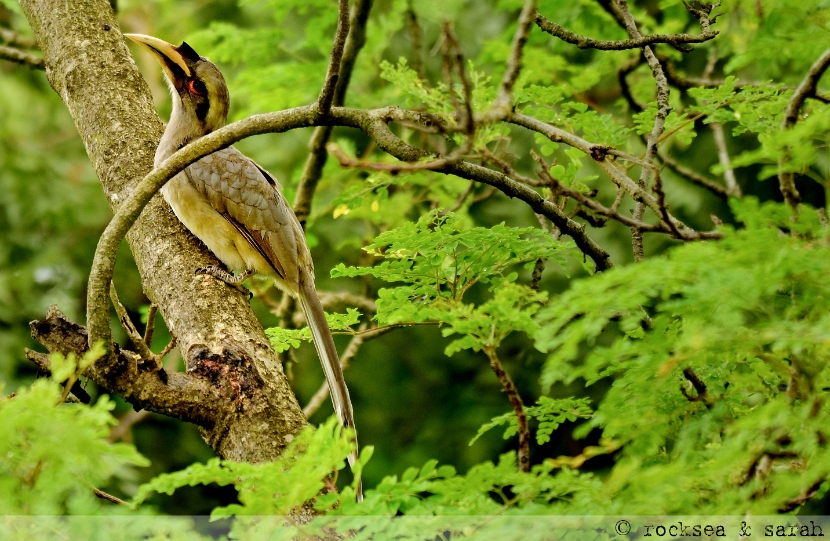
89, 66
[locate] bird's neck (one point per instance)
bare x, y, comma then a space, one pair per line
179, 132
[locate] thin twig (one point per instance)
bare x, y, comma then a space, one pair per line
13, 54
331, 299
109, 497
504, 100
151, 324
693, 176
663, 109
416, 38
165, 350
13, 39
67, 387
518, 407
583, 42
600, 154
132, 333
125, 424
661, 198
385, 328
536, 276
461, 199
593, 204
806, 495
732, 187
44, 370
625, 88
313, 169
324, 101
699, 386
489, 192
786, 179
437, 164
684, 83
451, 46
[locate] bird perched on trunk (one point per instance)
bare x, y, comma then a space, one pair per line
235, 207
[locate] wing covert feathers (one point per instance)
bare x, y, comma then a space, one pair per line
249, 198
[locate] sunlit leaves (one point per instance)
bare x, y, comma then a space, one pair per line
438, 261
273, 488
745, 316
282, 339
51, 455
549, 412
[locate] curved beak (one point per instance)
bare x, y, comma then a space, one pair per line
166, 53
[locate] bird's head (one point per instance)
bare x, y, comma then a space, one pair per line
200, 95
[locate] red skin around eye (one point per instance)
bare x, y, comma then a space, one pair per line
191, 86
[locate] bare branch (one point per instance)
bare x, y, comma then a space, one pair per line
699, 386
13, 39
324, 101
504, 101
806, 495
461, 199
589, 203
518, 407
183, 396
536, 276
693, 176
466, 119
21, 57
132, 333
661, 198
332, 299
663, 109
703, 14
677, 40
683, 82
625, 89
109, 497
437, 164
312, 172
126, 423
375, 126
151, 324
317, 156
732, 187
786, 179
416, 38
600, 154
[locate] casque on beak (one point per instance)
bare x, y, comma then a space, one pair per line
167, 54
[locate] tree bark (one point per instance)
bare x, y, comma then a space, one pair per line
89, 66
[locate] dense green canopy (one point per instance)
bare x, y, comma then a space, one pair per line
636, 242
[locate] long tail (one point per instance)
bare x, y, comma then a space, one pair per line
324, 343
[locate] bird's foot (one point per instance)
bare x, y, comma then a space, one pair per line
227, 277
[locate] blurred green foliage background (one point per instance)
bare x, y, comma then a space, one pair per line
413, 403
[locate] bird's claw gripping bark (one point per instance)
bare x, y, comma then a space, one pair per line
227, 277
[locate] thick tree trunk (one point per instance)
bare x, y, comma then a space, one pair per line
89, 66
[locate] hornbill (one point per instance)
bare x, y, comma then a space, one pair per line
236, 207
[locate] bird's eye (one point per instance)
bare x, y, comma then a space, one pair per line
195, 86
